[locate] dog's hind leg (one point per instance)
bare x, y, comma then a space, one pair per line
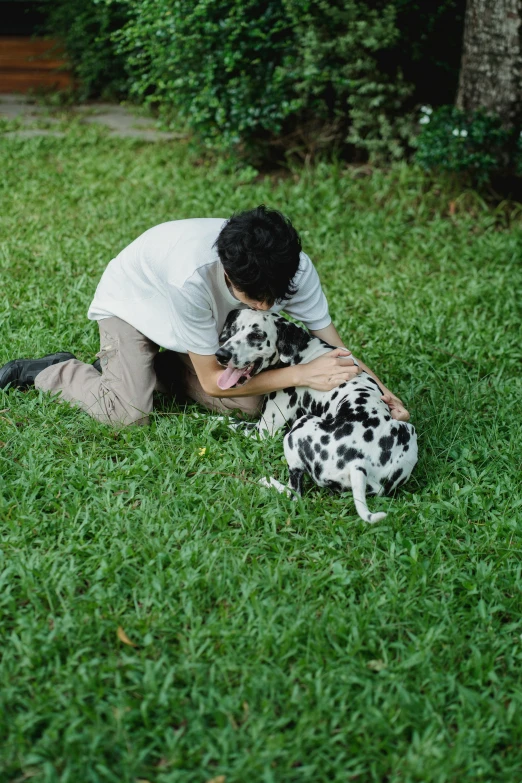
358, 483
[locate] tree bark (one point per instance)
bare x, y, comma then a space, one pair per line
491, 68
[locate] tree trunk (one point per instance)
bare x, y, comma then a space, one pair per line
491, 68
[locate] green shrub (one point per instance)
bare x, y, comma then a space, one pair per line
226, 68
244, 73
85, 27
339, 75
267, 77
452, 140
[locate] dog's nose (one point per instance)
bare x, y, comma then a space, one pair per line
223, 355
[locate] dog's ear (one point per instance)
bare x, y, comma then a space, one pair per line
291, 340
229, 327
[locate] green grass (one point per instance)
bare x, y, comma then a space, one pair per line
275, 641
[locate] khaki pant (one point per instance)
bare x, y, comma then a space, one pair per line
122, 394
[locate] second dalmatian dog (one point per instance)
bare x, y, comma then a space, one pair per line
344, 438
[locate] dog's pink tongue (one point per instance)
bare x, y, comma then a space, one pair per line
229, 378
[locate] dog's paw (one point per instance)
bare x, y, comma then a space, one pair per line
273, 483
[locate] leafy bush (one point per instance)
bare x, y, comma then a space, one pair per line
85, 27
225, 67
453, 140
267, 76
339, 76
245, 72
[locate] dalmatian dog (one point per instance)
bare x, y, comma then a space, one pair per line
344, 438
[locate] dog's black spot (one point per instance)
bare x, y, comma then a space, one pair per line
289, 390
390, 482
386, 444
293, 401
345, 411
396, 476
370, 422
343, 431
291, 339
308, 451
318, 469
229, 326
300, 411
300, 423
340, 464
334, 395
368, 435
324, 455
290, 441
404, 436
268, 343
351, 454
317, 448
316, 408
374, 383
307, 398
325, 440
363, 470
254, 338
272, 395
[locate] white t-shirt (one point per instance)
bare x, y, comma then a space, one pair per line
170, 285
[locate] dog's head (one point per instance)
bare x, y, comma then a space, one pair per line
248, 345
252, 341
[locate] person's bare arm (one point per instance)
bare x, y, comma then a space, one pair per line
322, 374
330, 335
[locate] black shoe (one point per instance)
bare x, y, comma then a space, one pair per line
20, 373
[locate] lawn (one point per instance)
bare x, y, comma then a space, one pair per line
270, 640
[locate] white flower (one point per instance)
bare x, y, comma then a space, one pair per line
455, 131
426, 110
464, 133
424, 120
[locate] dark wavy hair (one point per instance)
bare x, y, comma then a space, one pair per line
259, 249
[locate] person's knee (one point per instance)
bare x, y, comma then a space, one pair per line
127, 415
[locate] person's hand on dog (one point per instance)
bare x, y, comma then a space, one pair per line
328, 371
396, 406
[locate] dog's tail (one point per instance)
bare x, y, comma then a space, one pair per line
358, 482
